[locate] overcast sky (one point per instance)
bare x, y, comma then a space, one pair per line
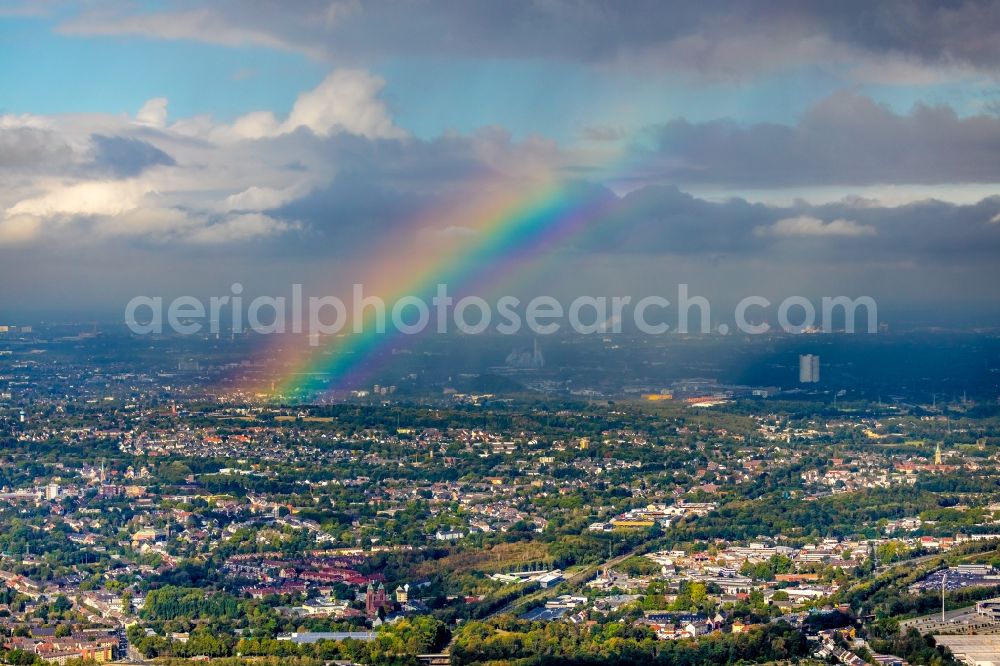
779, 148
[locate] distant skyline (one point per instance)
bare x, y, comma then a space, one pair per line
778, 148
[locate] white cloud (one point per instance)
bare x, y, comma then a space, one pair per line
805, 226
18, 229
164, 224
154, 223
225, 180
256, 198
240, 228
98, 223
12, 121
153, 113
256, 125
220, 169
995, 219
87, 198
347, 100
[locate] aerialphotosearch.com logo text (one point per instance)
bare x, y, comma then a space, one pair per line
542, 315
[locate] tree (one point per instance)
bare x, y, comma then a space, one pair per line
62, 604
19, 657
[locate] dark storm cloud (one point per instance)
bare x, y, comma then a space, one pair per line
711, 38
431, 163
347, 216
351, 215
948, 32
381, 184
124, 157
384, 184
846, 139
663, 219
666, 220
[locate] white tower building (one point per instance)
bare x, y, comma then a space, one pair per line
808, 368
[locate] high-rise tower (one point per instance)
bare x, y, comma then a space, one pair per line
808, 368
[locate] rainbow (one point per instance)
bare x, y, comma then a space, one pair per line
501, 230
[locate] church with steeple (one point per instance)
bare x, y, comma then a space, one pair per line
375, 598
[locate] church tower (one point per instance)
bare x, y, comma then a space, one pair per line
374, 599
